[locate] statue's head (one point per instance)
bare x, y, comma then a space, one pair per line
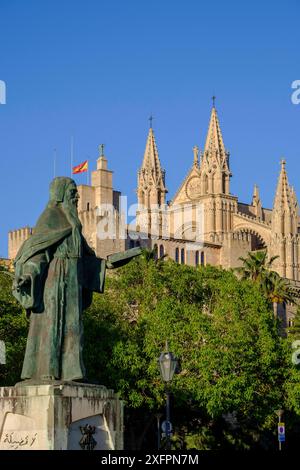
64, 190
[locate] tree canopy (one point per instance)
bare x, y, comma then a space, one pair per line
235, 370
222, 329
13, 331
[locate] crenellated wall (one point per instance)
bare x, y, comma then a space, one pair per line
16, 238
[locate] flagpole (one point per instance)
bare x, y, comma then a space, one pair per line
54, 162
72, 154
87, 173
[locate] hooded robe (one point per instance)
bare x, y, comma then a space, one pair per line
63, 272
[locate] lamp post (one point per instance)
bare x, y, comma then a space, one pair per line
281, 428
158, 417
167, 364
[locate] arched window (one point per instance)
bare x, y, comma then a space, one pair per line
202, 258
197, 258
142, 198
131, 244
161, 251
224, 183
88, 206
155, 249
177, 255
182, 256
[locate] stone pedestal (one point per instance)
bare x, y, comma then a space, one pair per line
60, 416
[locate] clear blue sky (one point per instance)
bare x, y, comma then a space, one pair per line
96, 69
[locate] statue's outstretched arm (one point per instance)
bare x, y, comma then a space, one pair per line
120, 259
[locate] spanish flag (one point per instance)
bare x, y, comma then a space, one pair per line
80, 168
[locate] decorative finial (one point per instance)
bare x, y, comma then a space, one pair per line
196, 151
150, 120
101, 150
213, 100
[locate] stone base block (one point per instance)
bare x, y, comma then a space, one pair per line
60, 416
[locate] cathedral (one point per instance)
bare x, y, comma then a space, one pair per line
203, 224
229, 228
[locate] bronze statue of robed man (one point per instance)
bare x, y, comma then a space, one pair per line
56, 273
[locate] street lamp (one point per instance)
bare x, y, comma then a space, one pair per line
281, 428
158, 417
167, 364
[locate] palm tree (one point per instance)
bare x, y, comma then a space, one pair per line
257, 268
152, 255
256, 265
278, 289
149, 254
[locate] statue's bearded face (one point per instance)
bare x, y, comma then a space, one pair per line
71, 194
69, 205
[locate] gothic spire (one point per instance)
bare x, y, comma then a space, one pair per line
285, 226
151, 158
214, 140
215, 160
283, 196
151, 177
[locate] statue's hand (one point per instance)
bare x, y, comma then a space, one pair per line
22, 281
120, 259
109, 265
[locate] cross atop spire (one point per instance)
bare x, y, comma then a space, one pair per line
213, 100
282, 163
150, 120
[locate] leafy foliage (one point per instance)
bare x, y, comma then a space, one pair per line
235, 370
13, 331
222, 329
257, 267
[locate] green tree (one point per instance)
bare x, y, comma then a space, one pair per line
256, 266
277, 289
235, 370
225, 335
13, 331
294, 330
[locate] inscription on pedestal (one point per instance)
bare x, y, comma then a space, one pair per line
18, 433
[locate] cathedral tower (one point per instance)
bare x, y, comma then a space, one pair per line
214, 166
151, 177
151, 190
285, 238
215, 176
